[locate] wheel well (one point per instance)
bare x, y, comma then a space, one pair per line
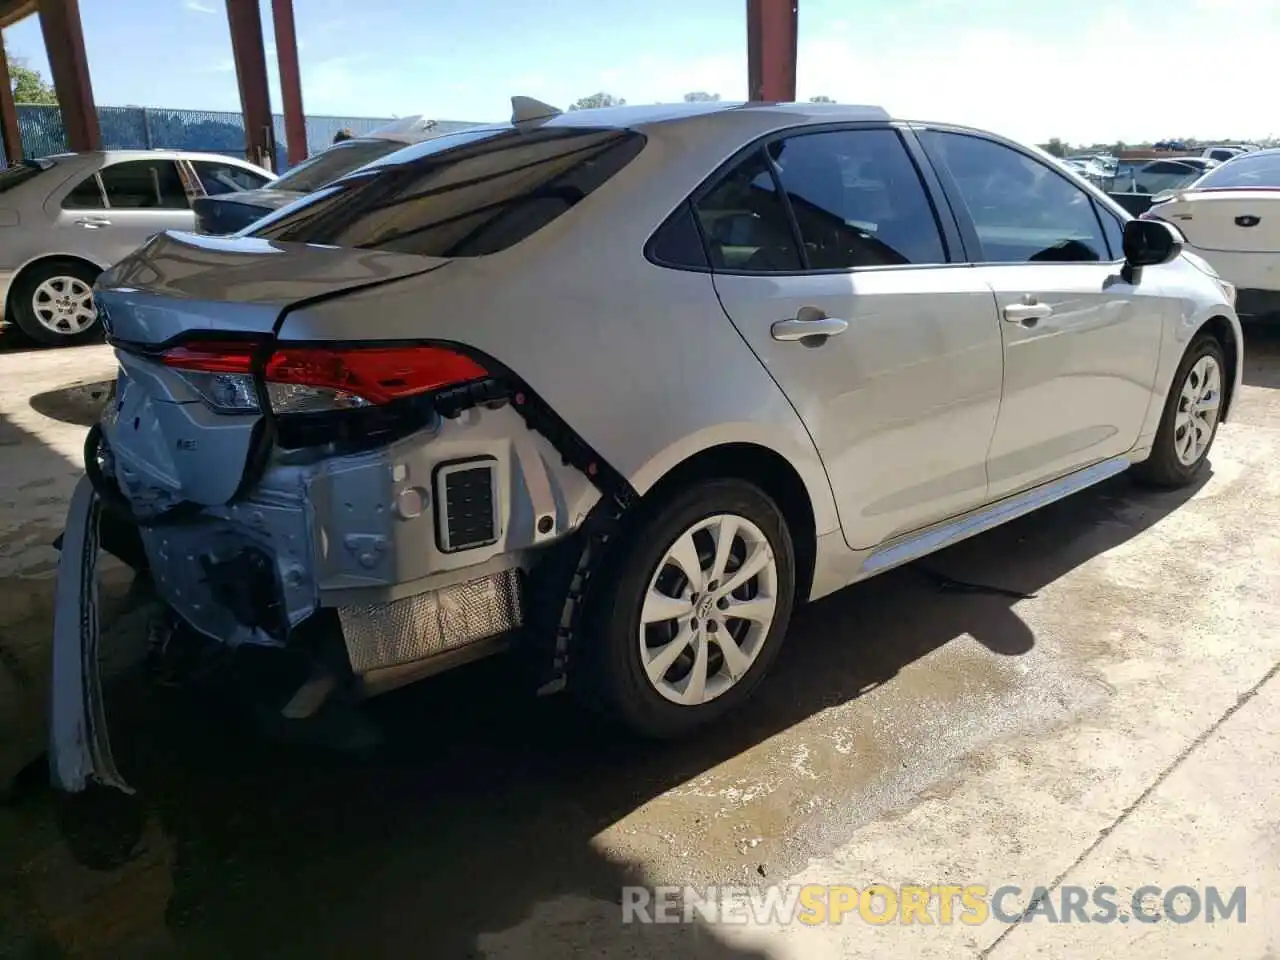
772, 473
31, 265
1220, 329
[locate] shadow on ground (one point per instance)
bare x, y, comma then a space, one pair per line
484, 802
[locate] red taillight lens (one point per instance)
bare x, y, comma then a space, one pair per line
317, 378
376, 375
211, 357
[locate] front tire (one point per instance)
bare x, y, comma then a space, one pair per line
691, 610
1190, 419
53, 303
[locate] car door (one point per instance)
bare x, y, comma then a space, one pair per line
830, 259
1080, 343
115, 210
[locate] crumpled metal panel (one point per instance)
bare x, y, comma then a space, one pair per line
413, 628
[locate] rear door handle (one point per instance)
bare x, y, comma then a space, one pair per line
93, 223
1027, 313
788, 330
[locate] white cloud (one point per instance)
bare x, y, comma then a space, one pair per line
200, 6
1114, 82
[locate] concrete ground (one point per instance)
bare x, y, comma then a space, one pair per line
1120, 726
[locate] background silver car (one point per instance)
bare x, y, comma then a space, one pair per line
64, 218
638, 381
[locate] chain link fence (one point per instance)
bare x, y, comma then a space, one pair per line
211, 131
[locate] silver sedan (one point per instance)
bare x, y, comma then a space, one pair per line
622, 387
65, 218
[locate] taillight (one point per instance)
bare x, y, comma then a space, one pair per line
306, 379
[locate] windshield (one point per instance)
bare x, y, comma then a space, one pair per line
338, 160
11, 176
1247, 170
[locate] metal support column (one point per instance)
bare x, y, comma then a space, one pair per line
9, 116
771, 49
295, 123
64, 45
251, 74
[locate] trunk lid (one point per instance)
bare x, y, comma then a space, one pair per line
1228, 220
168, 445
181, 283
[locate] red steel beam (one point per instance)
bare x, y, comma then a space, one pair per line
9, 116
64, 44
771, 49
245, 22
295, 122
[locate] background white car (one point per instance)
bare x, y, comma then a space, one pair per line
1231, 218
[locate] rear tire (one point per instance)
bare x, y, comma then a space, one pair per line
52, 303
1190, 419
691, 610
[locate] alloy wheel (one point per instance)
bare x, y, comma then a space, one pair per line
1197, 413
708, 609
64, 305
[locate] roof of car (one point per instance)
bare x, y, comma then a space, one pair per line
103, 156
633, 116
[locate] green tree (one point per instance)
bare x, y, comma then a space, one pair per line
821, 98
600, 99
701, 96
28, 85
1056, 147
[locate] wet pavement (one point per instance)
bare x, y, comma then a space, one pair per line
910, 731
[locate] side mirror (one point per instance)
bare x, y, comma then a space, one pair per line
1149, 243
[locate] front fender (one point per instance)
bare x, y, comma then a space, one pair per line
1197, 303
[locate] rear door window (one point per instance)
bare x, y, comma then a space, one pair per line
857, 199
745, 221
467, 196
85, 195
144, 185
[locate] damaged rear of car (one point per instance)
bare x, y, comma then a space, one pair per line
408, 485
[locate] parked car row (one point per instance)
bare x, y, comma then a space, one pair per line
1231, 218
228, 212
65, 218
621, 388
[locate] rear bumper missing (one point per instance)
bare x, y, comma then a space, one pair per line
420, 546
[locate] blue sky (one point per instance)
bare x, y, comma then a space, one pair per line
1077, 69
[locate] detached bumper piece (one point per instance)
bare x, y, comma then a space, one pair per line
79, 748
418, 628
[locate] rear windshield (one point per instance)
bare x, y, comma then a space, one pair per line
461, 195
10, 177
335, 162
1246, 170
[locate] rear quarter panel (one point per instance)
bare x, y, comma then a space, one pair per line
639, 359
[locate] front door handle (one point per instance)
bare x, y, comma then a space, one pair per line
1029, 312
789, 330
93, 223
